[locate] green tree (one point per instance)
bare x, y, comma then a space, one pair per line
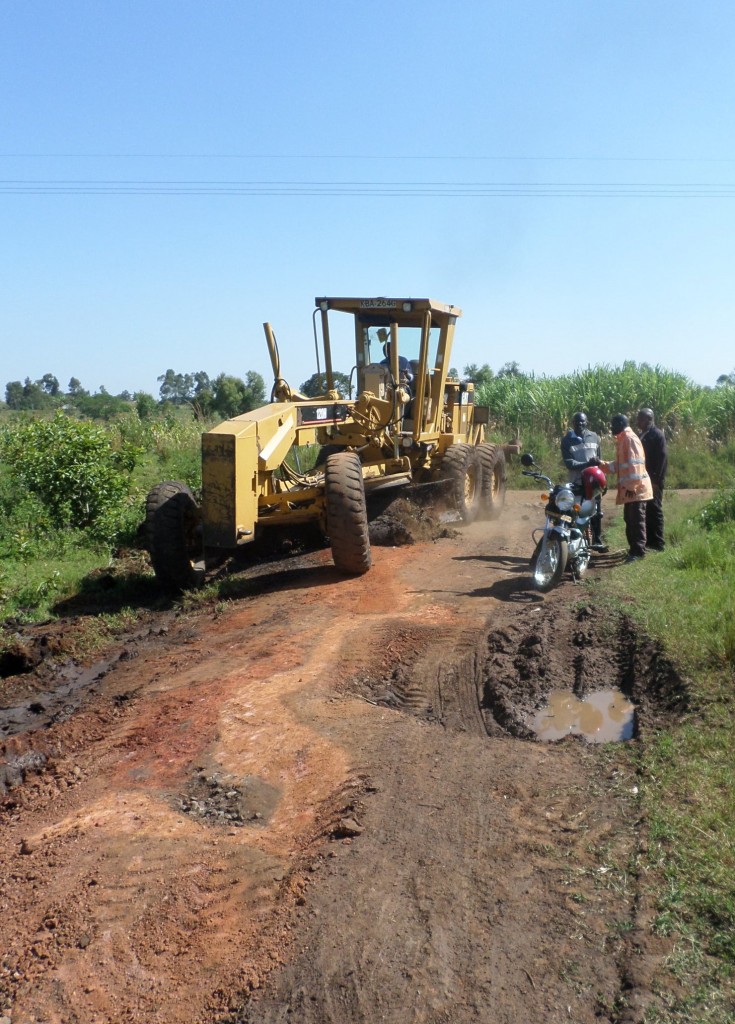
316, 385
201, 383
227, 396
34, 397
14, 394
479, 374
75, 389
49, 384
177, 388
231, 396
145, 404
203, 395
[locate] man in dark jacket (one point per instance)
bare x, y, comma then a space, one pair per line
580, 448
654, 448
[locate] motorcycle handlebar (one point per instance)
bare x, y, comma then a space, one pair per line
537, 476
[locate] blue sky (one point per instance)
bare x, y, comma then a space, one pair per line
174, 173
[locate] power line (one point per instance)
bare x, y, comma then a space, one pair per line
454, 158
335, 189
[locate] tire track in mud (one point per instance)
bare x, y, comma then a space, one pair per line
486, 680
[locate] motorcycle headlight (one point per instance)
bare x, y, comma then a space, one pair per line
565, 499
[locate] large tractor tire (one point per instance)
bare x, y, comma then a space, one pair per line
347, 521
461, 467
173, 529
492, 461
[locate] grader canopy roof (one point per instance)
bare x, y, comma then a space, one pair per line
404, 311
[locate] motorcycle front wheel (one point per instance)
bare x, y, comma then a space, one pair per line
549, 561
582, 561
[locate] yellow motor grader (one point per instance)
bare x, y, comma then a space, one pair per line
403, 422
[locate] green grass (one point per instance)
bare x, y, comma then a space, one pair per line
684, 597
41, 566
695, 463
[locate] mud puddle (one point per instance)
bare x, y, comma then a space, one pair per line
53, 705
605, 716
554, 673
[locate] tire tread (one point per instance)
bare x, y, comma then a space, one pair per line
347, 521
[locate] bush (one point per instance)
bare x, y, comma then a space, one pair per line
71, 467
721, 509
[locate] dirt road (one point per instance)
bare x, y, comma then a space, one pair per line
320, 802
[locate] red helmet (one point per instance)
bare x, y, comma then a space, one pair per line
594, 482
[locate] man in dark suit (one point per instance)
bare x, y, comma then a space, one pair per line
654, 448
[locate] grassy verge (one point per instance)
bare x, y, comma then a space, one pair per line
685, 596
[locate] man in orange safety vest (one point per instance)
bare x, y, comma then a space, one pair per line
634, 484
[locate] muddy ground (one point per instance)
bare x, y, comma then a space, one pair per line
320, 801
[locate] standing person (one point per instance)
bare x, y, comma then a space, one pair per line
657, 461
634, 484
580, 448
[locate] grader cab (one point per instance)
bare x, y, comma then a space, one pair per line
404, 421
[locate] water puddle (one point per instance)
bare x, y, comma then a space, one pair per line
605, 716
44, 709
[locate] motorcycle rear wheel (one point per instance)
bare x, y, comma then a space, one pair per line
549, 561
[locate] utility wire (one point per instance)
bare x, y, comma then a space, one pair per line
450, 189
454, 158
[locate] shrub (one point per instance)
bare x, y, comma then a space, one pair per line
71, 467
721, 509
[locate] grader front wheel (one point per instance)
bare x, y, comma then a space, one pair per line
347, 521
173, 533
461, 468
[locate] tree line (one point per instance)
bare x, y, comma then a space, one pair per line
221, 396
516, 398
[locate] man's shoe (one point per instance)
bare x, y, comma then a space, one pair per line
634, 558
655, 547
599, 546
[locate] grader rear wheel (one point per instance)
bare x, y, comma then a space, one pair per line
461, 467
173, 531
492, 461
347, 521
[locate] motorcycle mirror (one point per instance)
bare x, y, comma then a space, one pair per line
527, 459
